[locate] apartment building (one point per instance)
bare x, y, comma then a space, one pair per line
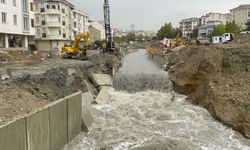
80, 22
187, 25
53, 24
215, 17
240, 15
16, 24
96, 31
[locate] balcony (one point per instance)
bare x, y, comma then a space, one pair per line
53, 24
54, 37
53, 11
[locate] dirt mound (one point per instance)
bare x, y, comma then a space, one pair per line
216, 77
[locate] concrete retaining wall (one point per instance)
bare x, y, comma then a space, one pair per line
49, 128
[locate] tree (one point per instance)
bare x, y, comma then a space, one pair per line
167, 31
131, 36
218, 30
232, 27
194, 33
248, 25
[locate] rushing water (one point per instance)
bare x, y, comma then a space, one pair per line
152, 118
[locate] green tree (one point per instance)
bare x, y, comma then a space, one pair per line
194, 33
166, 31
232, 27
248, 25
131, 36
218, 30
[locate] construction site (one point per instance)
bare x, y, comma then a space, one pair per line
169, 94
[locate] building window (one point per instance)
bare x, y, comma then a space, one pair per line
248, 14
75, 24
58, 7
63, 23
53, 7
42, 10
14, 3
31, 6
59, 19
43, 22
63, 10
26, 23
25, 6
15, 19
4, 17
44, 35
38, 32
48, 7
37, 20
3, 1
64, 35
60, 32
32, 23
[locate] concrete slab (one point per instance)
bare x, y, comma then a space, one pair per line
58, 124
74, 115
38, 132
87, 118
87, 99
13, 136
103, 94
102, 79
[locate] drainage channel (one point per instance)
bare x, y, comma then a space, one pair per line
149, 117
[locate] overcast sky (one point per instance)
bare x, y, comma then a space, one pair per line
151, 14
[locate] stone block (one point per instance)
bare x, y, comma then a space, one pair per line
13, 136
103, 94
38, 132
102, 79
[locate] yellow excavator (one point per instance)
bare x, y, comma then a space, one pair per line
73, 51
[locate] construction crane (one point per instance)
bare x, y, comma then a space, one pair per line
108, 34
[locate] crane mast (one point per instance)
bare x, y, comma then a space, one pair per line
108, 33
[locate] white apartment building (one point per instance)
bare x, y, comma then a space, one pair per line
80, 22
240, 15
53, 24
216, 17
96, 31
187, 25
207, 28
16, 24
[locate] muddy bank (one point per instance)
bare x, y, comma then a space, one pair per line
217, 78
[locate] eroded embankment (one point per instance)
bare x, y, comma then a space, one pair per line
56, 79
217, 78
24, 94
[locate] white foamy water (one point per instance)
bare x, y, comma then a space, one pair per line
127, 121
130, 120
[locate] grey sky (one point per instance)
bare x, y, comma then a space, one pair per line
151, 14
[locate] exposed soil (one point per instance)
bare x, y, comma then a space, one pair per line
216, 77
34, 83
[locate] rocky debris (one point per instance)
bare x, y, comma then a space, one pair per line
216, 77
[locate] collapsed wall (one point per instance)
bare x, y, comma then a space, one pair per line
216, 77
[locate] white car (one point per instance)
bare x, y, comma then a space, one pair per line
245, 32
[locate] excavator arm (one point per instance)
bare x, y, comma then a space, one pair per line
73, 50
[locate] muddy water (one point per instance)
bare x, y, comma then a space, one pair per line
134, 120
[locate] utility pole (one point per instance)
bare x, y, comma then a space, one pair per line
108, 33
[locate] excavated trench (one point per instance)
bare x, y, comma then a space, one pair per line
143, 113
